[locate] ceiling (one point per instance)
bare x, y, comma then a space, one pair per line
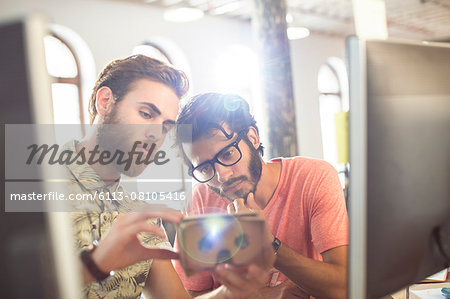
412, 19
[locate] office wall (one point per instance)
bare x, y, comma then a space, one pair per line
111, 29
307, 55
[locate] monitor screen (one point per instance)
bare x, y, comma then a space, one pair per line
35, 251
399, 196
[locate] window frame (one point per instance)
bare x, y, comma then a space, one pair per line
77, 80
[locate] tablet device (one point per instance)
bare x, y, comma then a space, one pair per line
236, 239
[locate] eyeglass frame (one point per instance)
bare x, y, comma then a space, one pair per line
215, 159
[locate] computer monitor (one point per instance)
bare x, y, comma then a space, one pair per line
35, 251
399, 197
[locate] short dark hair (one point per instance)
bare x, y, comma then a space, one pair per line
206, 111
121, 73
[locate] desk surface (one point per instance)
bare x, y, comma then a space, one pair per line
421, 286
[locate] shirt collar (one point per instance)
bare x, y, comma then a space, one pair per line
85, 174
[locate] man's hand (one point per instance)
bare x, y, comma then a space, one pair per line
238, 282
240, 205
246, 282
242, 282
121, 246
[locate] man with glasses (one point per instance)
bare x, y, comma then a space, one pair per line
134, 101
301, 198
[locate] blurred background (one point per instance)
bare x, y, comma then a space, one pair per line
215, 42
287, 58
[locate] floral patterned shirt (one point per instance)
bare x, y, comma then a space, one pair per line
92, 220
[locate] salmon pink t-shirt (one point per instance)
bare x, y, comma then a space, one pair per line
307, 212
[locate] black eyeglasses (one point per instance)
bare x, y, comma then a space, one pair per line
228, 156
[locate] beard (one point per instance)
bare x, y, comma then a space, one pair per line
113, 136
255, 170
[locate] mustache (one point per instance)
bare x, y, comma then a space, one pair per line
233, 180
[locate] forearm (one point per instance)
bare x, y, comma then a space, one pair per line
87, 276
89, 259
164, 282
319, 279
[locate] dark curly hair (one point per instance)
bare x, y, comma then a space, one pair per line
208, 111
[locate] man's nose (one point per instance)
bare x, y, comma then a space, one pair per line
154, 132
223, 173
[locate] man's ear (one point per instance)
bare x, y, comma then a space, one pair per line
104, 101
253, 137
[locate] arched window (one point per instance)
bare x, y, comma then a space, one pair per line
165, 50
71, 67
152, 50
64, 70
334, 104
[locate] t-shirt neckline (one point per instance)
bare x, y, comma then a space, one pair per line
280, 182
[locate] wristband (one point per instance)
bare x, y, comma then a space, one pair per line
91, 266
276, 244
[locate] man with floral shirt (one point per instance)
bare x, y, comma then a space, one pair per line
131, 98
